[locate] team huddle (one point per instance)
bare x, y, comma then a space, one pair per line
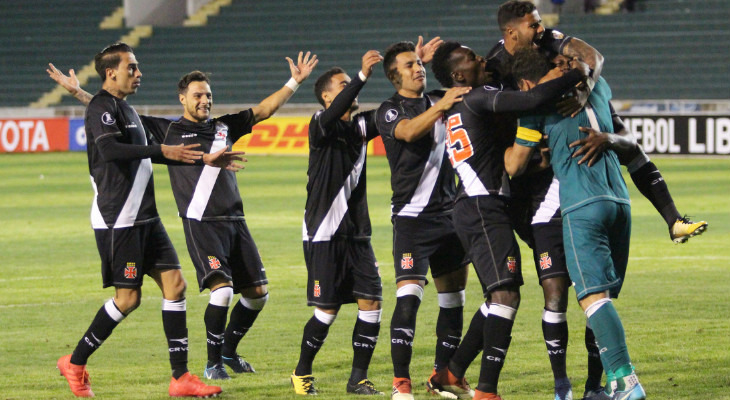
528, 130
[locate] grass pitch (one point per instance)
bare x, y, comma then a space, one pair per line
675, 304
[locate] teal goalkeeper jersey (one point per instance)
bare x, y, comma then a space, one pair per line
579, 184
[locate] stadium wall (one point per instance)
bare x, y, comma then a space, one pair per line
661, 128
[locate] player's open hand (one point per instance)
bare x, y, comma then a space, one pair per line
304, 66
451, 96
591, 146
370, 58
425, 51
69, 82
230, 160
182, 153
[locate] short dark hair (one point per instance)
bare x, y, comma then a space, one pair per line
391, 72
195, 76
109, 58
323, 82
512, 10
442, 65
529, 64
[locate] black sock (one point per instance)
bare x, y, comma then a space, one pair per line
100, 329
470, 347
651, 184
215, 324
448, 334
364, 338
497, 331
313, 337
402, 332
176, 331
556, 340
242, 318
595, 368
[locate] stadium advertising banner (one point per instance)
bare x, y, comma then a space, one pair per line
30, 135
287, 135
691, 135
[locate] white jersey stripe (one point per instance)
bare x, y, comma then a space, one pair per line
430, 175
332, 220
97, 220
549, 206
469, 178
206, 182
128, 214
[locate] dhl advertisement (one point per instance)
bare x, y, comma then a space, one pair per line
689, 135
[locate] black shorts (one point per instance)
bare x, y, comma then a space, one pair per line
127, 254
486, 232
225, 248
548, 251
421, 242
340, 271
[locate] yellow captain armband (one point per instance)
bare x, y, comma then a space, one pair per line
529, 135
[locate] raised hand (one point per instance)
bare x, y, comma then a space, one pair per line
304, 66
225, 159
370, 58
425, 51
182, 153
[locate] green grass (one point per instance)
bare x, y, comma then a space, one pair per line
675, 304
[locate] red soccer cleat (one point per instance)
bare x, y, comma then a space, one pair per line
190, 385
76, 375
479, 395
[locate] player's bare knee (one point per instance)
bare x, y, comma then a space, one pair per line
255, 292
127, 300
369, 304
507, 296
555, 291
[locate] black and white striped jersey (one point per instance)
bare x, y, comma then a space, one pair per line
422, 178
202, 192
336, 203
119, 152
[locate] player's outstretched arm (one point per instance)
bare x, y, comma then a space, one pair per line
182, 153
413, 129
299, 72
425, 51
69, 82
579, 50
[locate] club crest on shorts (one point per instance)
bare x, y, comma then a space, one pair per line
214, 262
317, 289
130, 271
512, 264
545, 261
407, 261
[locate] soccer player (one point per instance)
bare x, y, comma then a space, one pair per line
220, 245
475, 145
422, 181
595, 211
341, 265
130, 237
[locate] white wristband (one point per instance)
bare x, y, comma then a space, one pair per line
362, 76
292, 84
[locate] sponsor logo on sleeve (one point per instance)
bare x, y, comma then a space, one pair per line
391, 115
558, 35
107, 119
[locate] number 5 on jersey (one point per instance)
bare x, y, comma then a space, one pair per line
459, 145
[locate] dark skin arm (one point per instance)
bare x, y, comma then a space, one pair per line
578, 49
595, 143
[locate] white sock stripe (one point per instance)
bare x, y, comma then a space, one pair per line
484, 308
552, 317
452, 300
174, 305
410, 289
503, 311
372, 317
112, 310
590, 310
256, 304
221, 297
323, 317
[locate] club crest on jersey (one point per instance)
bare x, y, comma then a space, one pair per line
214, 262
130, 271
512, 264
221, 132
317, 290
545, 261
391, 115
557, 34
107, 119
407, 261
